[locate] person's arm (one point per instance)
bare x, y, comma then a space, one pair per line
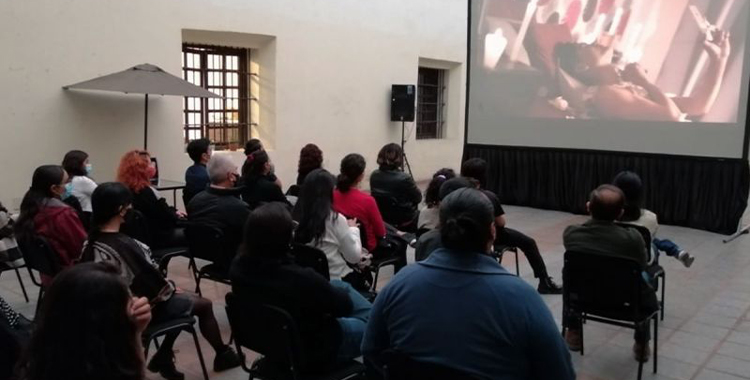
350, 245
87, 187
276, 195
413, 193
548, 353
614, 103
71, 235
375, 219
704, 95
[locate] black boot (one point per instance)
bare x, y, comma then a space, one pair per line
226, 359
163, 363
547, 286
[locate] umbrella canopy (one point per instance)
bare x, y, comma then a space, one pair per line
144, 79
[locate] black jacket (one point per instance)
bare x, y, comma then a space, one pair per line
311, 300
401, 190
259, 190
222, 209
161, 217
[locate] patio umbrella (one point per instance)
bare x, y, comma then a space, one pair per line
144, 79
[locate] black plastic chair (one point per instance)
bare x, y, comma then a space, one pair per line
136, 226
656, 271
4, 267
608, 290
41, 257
152, 333
311, 257
398, 366
271, 332
498, 251
208, 243
391, 257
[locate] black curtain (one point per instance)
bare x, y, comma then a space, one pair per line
704, 193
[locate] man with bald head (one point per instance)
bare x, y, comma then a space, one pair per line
600, 235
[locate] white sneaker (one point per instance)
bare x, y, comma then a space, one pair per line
686, 259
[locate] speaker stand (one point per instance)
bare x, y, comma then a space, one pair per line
403, 148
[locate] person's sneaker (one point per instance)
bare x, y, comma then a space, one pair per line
685, 258
163, 364
641, 352
573, 339
547, 286
226, 360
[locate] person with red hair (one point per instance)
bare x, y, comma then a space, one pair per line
135, 172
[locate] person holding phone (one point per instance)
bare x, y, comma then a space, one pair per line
111, 202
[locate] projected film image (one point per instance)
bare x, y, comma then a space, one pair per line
648, 60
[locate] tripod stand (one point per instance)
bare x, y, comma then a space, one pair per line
403, 147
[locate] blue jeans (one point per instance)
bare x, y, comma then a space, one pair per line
352, 326
666, 246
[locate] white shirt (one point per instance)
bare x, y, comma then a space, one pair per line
83, 187
429, 218
341, 244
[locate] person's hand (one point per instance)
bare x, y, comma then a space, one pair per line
717, 46
181, 214
365, 261
635, 74
352, 222
140, 312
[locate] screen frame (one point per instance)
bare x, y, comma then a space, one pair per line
469, 44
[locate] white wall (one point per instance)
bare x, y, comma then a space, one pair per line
334, 63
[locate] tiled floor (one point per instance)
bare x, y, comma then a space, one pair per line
705, 336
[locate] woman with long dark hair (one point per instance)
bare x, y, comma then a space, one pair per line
397, 194
258, 186
325, 229
88, 327
350, 201
331, 316
76, 164
44, 214
310, 158
111, 202
632, 187
429, 216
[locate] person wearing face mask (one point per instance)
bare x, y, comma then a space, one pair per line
164, 222
258, 186
220, 206
76, 163
44, 214
626, 94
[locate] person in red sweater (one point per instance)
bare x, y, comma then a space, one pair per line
44, 214
353, 203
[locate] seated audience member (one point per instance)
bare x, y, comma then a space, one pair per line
325, 229
254, 145
602, 236
331, 316
632, 187
220, 206
44, 214
476, 168
430, 215
430, 241
428, 307
196, 176
310, 158
88, 327
111, 201
10, 255
15, 331
396, 189
353, 203
76, 164
258, 186
135, 172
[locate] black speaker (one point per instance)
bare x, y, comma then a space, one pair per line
403, 98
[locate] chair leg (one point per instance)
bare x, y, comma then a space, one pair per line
23, 287
656, 342
33, 278
198, 286
582, 340
375, 279
518, 271
663, 287
640, 370
200, 353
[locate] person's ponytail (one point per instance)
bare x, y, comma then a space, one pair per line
352, 167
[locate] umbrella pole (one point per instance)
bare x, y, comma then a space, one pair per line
145, 126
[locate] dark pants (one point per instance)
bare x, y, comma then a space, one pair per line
513, 238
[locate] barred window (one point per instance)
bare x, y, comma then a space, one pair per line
430, 103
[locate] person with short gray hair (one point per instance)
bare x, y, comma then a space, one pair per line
220, 206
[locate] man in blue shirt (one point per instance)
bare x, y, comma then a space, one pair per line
462, 310
196, 176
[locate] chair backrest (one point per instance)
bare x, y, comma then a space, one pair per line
398, 366
602, 285
208, 243
265, 329
136, 226
39, 255
311, 257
